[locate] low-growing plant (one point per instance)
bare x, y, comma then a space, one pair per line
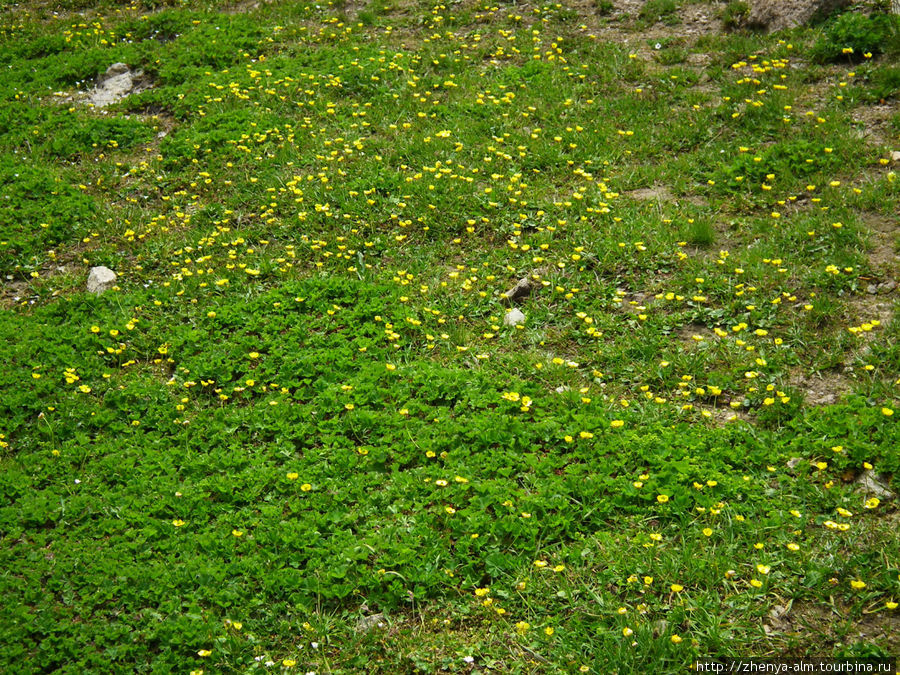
734, 14
854, 35
653, 11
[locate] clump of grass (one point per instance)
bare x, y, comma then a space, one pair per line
701, 233
856, 36
665, 11
604, 7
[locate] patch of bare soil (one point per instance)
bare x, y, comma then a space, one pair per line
727, 415
873, 124
824, 388
885, 233
866, 308
662, 195
820, 626
694, 334
658, 193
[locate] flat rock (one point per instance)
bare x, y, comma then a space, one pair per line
895, 156
100, 279
513, 318
116, 83
773, 15
872, 485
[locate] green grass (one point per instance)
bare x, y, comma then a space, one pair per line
301, 406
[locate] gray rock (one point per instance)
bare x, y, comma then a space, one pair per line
871, 484
117, 69
773, 15
793, 462
513, 318
895, 156
370, 623
100, 279
888, 286
521, 290
872, 289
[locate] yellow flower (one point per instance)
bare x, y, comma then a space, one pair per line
872, 502
676, 588
891, 605
676, 639
293, 475
522, 627
178, 522
204, 652
548, 631
480, 592
887, 412
627, 632
763, 569
306, 487
756, 583
662, 499
707, 531
615, 424
858, 585
289, 663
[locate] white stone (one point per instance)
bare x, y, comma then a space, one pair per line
513, 318
100, 279
118, 82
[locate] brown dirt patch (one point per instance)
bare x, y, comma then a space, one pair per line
688, 335
820, 626
824, 388
873, 123
884, 236
865, 308
659, 193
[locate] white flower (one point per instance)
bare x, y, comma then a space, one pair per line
469, 659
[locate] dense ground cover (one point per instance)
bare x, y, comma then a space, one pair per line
301, 405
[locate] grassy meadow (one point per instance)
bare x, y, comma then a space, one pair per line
306, 431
